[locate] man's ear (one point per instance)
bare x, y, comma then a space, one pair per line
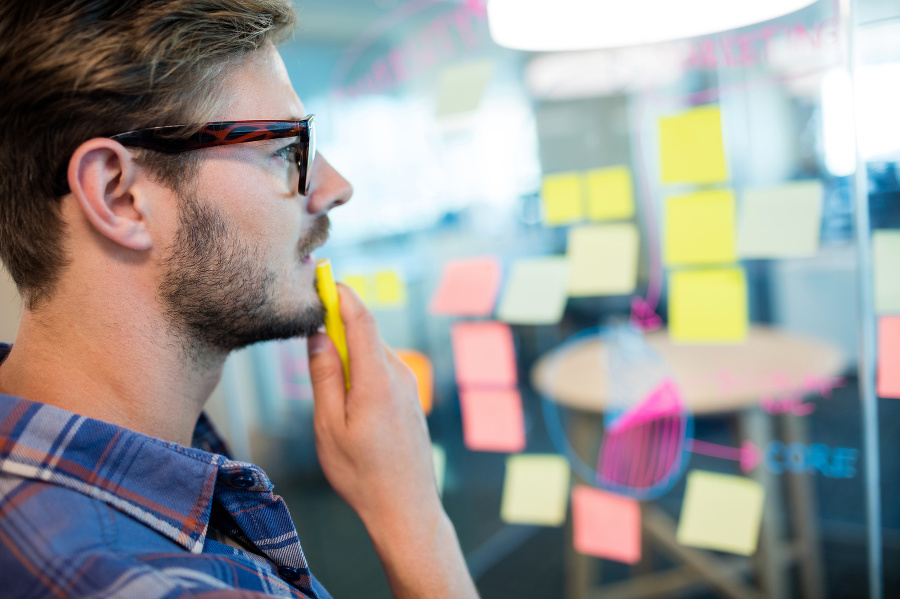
102, 176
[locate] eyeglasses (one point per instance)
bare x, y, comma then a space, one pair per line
232, 132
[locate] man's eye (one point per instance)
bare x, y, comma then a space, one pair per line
288, 152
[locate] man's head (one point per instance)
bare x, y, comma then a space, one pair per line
223, 231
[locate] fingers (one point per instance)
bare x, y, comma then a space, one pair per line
327, 376
364, 345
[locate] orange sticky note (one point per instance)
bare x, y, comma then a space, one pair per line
484, 355
468, 287
889, 356
493, 420
421, 367
606, 525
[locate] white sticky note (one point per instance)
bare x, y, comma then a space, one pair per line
536, 291
721, 512
535, 490
782, 221
462, 86
603, 259
886, 265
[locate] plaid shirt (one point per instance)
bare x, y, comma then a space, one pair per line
89, 509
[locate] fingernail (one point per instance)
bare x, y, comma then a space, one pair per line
316, 344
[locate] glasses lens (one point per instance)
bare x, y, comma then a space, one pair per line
310, 152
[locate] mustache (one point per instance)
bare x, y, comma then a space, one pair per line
317, 236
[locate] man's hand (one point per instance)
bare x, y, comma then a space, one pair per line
374, 448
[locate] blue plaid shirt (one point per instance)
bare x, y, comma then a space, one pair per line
89, 509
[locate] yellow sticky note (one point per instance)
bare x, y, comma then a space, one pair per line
603, 259
781, 221
390, 290
563, 196
700, 228
886, 266
610, 193
691, 148
361, 285
535, 490
536, 291
462, 86
721, 512
708, 306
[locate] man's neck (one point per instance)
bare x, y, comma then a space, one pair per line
124, 371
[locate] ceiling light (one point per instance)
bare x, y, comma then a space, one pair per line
552, 25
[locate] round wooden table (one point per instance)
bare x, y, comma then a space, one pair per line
712, 378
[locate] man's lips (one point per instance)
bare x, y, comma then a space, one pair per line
317, 236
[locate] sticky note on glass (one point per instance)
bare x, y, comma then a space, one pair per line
610, 193
700, 228
886, 266
603, 259
708, 306
492, 420
462, 86
422, 368
439, 461
536, 291
390, 289
691, 148
781, 222
468, 287
483, 355
563, 198
606, 525
361, 284
535, 490
721, 512
889, 356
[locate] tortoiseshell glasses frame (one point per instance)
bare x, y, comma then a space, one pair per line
225, 133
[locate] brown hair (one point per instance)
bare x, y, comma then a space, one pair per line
71, 70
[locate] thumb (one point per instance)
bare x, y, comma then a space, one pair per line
327, 376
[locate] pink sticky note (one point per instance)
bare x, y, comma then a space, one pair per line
889, 356
606, 525
493, 420
468, 288
484, 356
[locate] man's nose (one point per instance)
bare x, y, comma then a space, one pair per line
327, 188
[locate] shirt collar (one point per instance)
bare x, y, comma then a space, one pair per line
166, 486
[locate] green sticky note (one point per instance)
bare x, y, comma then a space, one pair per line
782, 221
700, 228
603, 259
462, 86
708, 306
535, 490
563, 197
610, 193
439, 460
390, 290
691, 148
886, 266
721, 512
536, 291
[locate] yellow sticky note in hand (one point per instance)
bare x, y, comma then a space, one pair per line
535, 490
700, 228
721, 512
610, 193
603, 259
708, 306
691, 148
390, 290
563, 196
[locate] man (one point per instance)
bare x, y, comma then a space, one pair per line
143, 259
